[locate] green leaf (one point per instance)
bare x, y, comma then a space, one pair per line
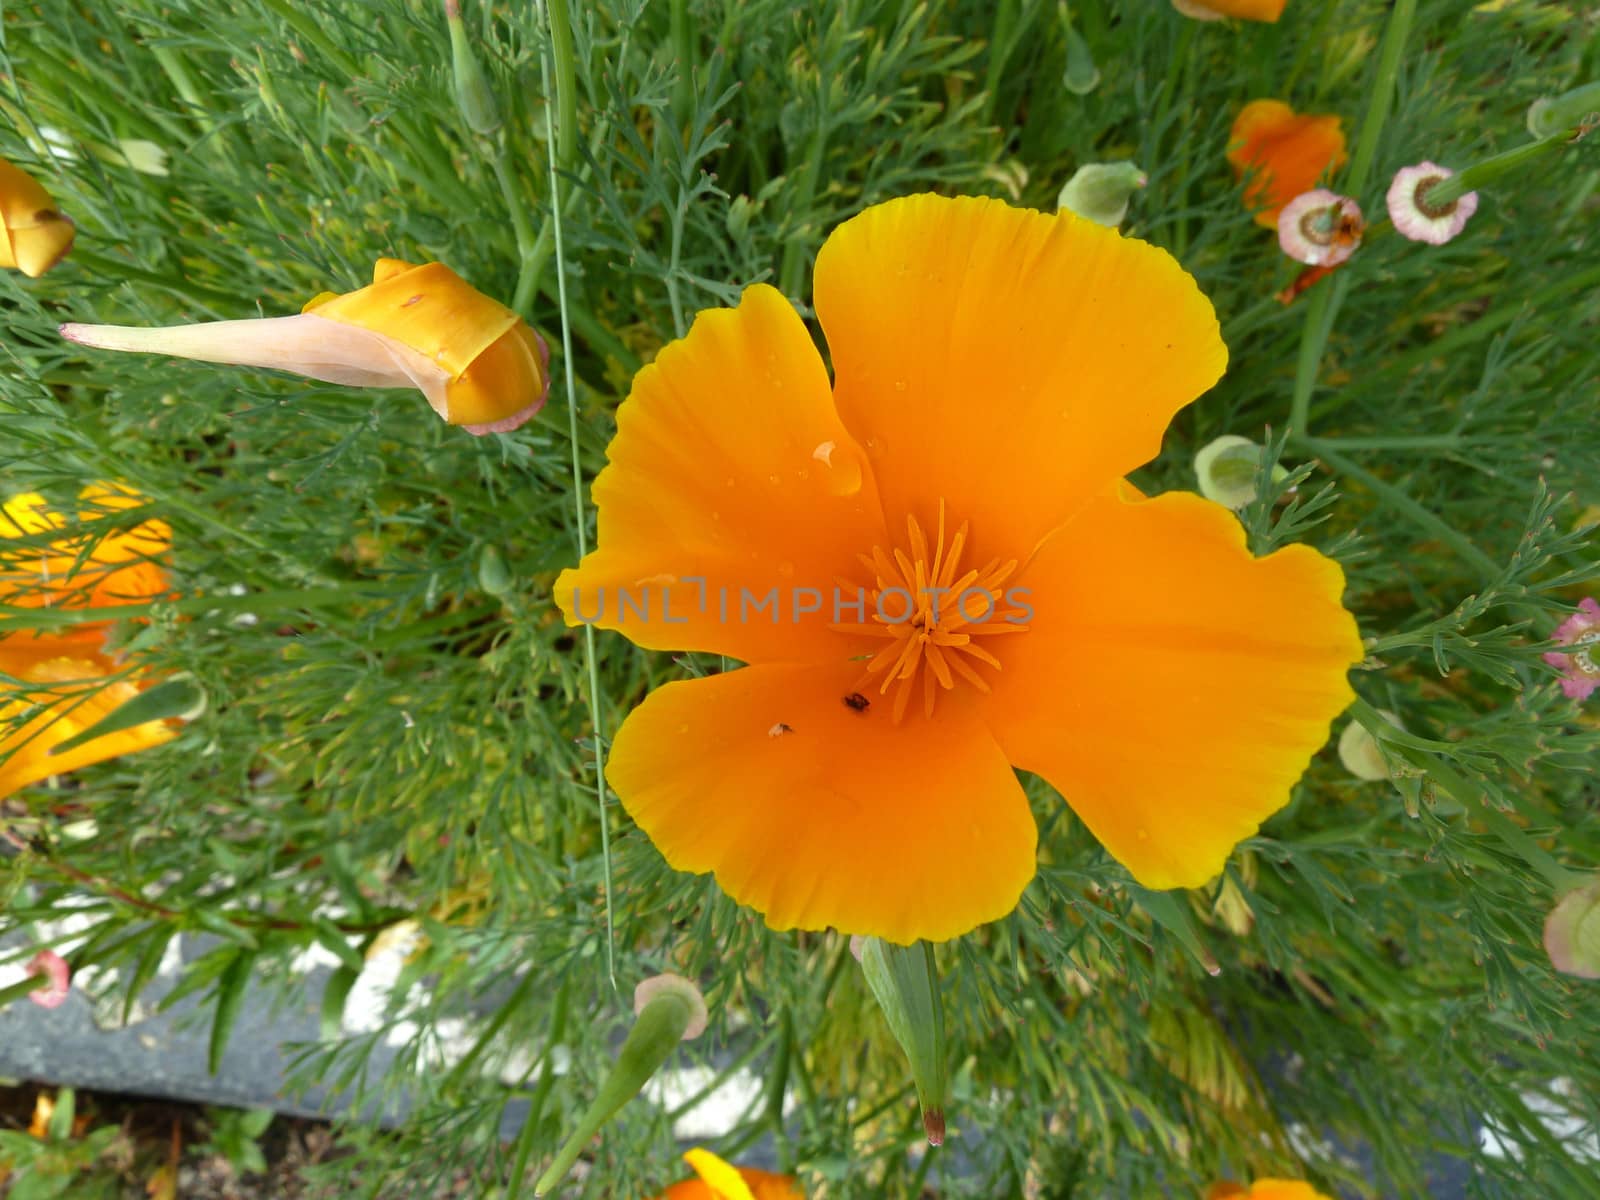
230, 995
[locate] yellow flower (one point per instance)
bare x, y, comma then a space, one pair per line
33, 236
716, 1180
478, 363
997, 372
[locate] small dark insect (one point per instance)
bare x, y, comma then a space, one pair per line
856, 702
780, 729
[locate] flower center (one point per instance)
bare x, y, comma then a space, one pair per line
1330, 225
1420, 198
1584, 659
933, 611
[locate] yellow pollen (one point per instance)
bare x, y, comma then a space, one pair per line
932, 610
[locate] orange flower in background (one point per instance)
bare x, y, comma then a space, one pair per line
47, 562
33, 236
1265, 1189
478, 364
1214, 10
1284, 153
938, 574
52, 685
716, 1180
52, 690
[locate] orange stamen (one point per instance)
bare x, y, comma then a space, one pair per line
930, 617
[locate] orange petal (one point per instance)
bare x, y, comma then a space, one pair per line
489, 353
117, 570
68, 710
1171, 687
1012, 363
1287, 153
1249, 10
817, 815
763, 1184
33, 235
1283, 1189
730, 466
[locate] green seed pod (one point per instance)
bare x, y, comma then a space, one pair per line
474, 96
670, 1010
902, 979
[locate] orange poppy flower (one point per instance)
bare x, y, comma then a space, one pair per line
51, 690
937, 573
51, 685
33, 236
1249, 10
73, 570
716, 1180
1265, 1189
1286, 154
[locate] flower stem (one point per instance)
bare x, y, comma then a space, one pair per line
561, 36
1449, 190
1394, 43
1324, 304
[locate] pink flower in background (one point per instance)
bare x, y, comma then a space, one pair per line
51, 965
1320, 228
1580, 630
1420, 221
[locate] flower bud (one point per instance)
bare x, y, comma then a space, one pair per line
476, 361
1572, 932
902, 979
1226, 470
1100, 192
474, 96
1081, 75
1552, 115
670, 1009
54, 968
1359, 750
33, 236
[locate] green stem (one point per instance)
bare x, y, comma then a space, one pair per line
683, 50
1320, 312
1439, 441
1323, 306
1403, 504
558, 38
566, 132
522, 228
22, 987
1394, 44
1490, 169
